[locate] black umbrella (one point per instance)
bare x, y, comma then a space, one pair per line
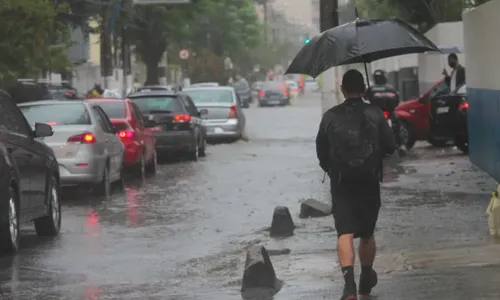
359, 41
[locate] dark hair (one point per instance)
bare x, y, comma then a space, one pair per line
453, 55
353, 82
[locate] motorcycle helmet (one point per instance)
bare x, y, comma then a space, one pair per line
379, 77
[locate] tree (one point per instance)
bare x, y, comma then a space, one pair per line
31, 39
423, 13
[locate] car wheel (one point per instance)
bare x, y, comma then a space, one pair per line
406, 135
9, 229
153, 165
201, 150
193, 154
103, 188
50, 225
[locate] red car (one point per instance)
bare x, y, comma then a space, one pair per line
414, 115
134, 132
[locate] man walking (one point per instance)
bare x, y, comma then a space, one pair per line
457, 77
353, 138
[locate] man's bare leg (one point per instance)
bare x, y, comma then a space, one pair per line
368, 277
345, 249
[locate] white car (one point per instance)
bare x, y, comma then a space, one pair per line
310, 85
293, 88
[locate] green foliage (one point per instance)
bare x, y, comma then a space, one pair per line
31, 40
423, 13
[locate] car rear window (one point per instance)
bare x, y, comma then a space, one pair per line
210, 95
274, 85
114, 109
150, 103
57, 114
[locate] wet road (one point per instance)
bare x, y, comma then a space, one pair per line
183, 234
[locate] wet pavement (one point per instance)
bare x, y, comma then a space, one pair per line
183, 233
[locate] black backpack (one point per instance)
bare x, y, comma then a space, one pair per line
354, 141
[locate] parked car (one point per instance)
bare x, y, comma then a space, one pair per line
204, 84
293, 88
135, 134
180, 126
30, 184
415, 115
84, 142
224, 117
274, 93
310, 85
448, 119
243, 90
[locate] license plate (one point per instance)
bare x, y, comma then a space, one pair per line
218, 130
442, 110
274, 102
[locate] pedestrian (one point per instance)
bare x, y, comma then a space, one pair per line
352, 139
457, 77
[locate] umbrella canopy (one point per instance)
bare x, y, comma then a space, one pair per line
359, 41
447, 49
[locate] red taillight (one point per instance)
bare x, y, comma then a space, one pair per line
84, 138
182, 118
232, 112
126, 134
386, 114
51, 123
261, 93
463, 105
285, 92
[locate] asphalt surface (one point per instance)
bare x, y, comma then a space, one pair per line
183, 233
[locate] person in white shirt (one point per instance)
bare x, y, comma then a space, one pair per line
456, 79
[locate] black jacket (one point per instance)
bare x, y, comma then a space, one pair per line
386, 137
460, 77
384, 103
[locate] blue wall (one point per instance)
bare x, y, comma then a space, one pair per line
484, 129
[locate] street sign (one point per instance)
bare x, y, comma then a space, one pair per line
184, 54
148, 2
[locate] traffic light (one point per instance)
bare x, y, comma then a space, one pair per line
307, 40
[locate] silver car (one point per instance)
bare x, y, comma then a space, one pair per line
85, 144
225, 117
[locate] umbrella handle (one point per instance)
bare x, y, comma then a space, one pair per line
366, 72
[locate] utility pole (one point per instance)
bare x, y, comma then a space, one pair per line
126, 61
330, 90
106, 44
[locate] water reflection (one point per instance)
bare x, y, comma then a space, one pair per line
93, 292
131, 199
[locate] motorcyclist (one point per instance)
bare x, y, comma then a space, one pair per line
386, 97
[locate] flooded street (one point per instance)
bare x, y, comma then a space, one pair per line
183, 234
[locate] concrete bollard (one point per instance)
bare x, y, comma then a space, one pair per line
312, 208
282, 224
259, 271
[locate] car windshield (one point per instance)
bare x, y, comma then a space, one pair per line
257, 85
148, 104
241, 84
56, 113
114, 109
274, 85
210, 95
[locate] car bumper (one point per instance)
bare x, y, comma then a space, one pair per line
80, 171
223, 129
269, 102
132, 152
174, 141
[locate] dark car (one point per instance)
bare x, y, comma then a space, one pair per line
448, 118
29, 184
274, 93
180, 126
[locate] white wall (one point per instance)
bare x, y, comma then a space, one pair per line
430, 65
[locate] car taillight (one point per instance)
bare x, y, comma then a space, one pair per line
386, 114
232, 112
182, 118
463, 105
261, 93
126, 134
285, 92
84, 138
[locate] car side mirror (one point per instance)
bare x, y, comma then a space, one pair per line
43, 130
203, 112
150, 123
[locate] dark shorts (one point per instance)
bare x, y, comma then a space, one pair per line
355, 206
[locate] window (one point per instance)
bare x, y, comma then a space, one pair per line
211, 95
102, 119
56, 113
114, 109
190, 106
439, 89
148, 104
137, 115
